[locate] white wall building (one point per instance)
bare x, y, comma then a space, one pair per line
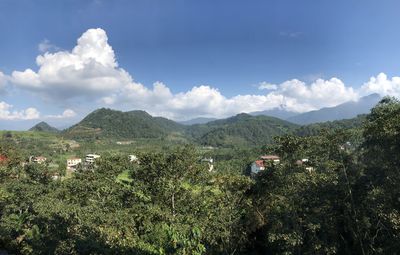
72, 163
133, 158
90, 158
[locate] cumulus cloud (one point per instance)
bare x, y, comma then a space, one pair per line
90, 70
68, 113
6, 113
45, 46
293, 95
266, 86
382, 85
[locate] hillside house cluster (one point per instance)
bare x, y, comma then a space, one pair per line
270, 160
263, 162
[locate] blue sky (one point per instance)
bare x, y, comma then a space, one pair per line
219, 49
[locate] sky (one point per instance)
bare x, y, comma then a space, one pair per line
182, 59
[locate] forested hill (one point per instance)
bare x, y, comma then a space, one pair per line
117, 124
44, 127
315, 129
242, 129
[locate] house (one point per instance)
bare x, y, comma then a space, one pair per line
302, 161
124, 142
72, 163
272, 158
55, 176
210, 162
38, 160
257, 166
90, 158
3, 159
305, 162
133, 158
263, 162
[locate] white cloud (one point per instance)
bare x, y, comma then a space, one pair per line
90, 71
68, 113
293, 95
267, 86
45, 46
6, 113
321, 93
3, 81
382, 85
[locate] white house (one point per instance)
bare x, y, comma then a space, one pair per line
72, 163
38, 160
90, 158
257, 166
210, 162
133, 158
273, 158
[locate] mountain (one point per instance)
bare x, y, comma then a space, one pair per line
44, 127
194, 121
343, 111
242, 129
117, 124
316, 128
276, 112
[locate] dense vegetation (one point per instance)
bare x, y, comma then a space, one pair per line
170, 204
240, 130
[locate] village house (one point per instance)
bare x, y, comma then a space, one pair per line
133, 158
72, 163
271, 158
210, 162
306, 163
263, 163
257, 166
90, 158
38, 160
124, 142
3, 159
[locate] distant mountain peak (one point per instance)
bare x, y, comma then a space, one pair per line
44, 127
345, 110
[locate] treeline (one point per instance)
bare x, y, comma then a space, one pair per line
345, 202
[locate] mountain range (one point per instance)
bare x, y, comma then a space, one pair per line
343, 111
242, 129
346, 110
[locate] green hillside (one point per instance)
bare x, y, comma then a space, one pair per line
315, 129
44, 127
242, 129
107, 123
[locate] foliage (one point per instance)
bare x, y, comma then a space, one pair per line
335, 192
